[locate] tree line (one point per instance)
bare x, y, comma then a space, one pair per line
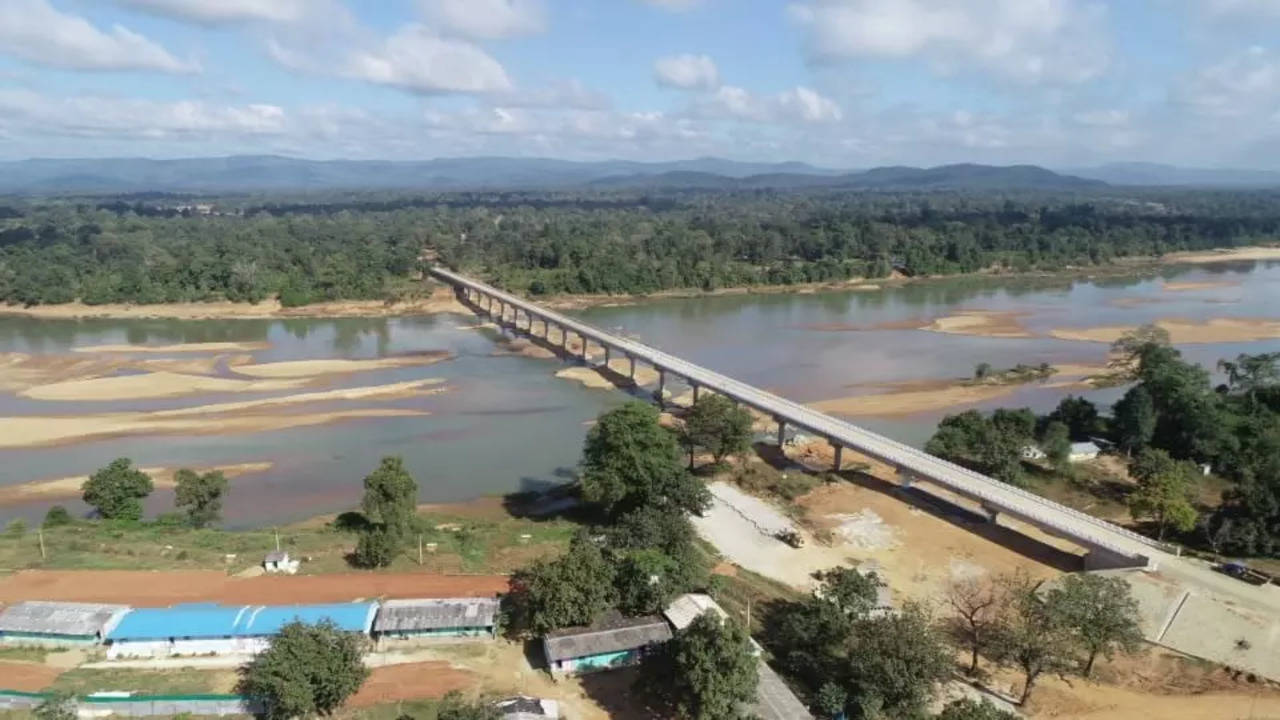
538, 243
1173, 425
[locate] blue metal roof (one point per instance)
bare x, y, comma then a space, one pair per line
208, 620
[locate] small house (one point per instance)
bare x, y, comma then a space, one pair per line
35, 622
523, 707
1032, 452
212, 629
612, 642
443, 618
278, 561
1083, 451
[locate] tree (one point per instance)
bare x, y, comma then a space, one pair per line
1135, 419
647, 582
1101, 612
976, 441
117, 490
200, 495
853, 592
56, 517
1249, 374
1079, 415
58, 706
1030, 636
981, 371
307, 670
453, 706
832, 700
1128, 351
376, 547
574, 589
896, 662
708, 671
1056, 444
718, 425
975, 608
630, 461
1166, 491
970, 709
391, 497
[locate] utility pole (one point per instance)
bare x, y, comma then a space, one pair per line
419, 549
277, 532
40, 534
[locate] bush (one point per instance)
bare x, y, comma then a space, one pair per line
761, 479
56, 517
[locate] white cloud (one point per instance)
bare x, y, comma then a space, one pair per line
417, 59
227, 11
571, 95
1243, 8
800, 104
485, 19
1102, 118
1025, 40
687, 72
37, 32
1245, 84
96, 116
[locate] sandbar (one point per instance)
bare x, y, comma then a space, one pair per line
69, 487
617, 375
441, 300
913, 398
1203, 285
1231, 255
986, 323
152, 385
1185, 332
216, 347
313, 368
230, 418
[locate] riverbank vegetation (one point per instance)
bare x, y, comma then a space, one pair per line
1173, 429
100, 250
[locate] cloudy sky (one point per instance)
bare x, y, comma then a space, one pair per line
842, 83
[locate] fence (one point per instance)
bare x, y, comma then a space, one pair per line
137, 705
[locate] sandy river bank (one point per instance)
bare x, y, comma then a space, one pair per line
69, 487
1182, 331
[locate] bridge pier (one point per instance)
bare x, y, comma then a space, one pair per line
782, 431
992, 514
585, 343
632, 359
695, 392
606, 356
662, 384
905, 479
839, 456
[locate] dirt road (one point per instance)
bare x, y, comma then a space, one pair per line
144, 588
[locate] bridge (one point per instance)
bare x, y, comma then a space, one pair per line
1107, 545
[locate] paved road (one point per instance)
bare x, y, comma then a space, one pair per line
913, 463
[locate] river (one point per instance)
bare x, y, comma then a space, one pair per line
503, 422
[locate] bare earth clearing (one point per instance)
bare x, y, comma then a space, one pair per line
144, 588
27, 677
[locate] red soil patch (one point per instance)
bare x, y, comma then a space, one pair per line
412, 681
157, 588
27, 677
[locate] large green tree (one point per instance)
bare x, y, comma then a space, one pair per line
307, 670
390, 497
970, 709
630, 461
1135, 419
896, 662
117, 490
717, 425
1031, 636
199, 495
978, 442
1101, 612
1166, 491
574, 589
708, 671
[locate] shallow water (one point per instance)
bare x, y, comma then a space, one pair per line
506, 423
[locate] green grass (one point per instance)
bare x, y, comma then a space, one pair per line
478, 545
417, 709
84, 681
30, 653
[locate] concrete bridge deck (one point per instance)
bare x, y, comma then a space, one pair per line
1109, 545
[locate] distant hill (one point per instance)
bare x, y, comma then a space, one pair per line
975, 177
1154, 174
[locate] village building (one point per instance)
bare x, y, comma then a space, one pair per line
612, 642
278, 561
1083, 451
36, 622
436, 618
212, 629
523, 707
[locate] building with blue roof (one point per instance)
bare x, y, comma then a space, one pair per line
209, 628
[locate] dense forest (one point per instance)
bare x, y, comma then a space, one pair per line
1174, 427
155, 248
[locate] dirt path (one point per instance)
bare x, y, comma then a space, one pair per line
27, 677
143, 588
410, 681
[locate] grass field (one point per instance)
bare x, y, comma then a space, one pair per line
84, 681
462, 544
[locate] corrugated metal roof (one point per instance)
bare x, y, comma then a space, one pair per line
611, 634
685, 609
404, 615
774, 700
60, 618
207, 620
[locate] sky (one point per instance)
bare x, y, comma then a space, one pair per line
837, 83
